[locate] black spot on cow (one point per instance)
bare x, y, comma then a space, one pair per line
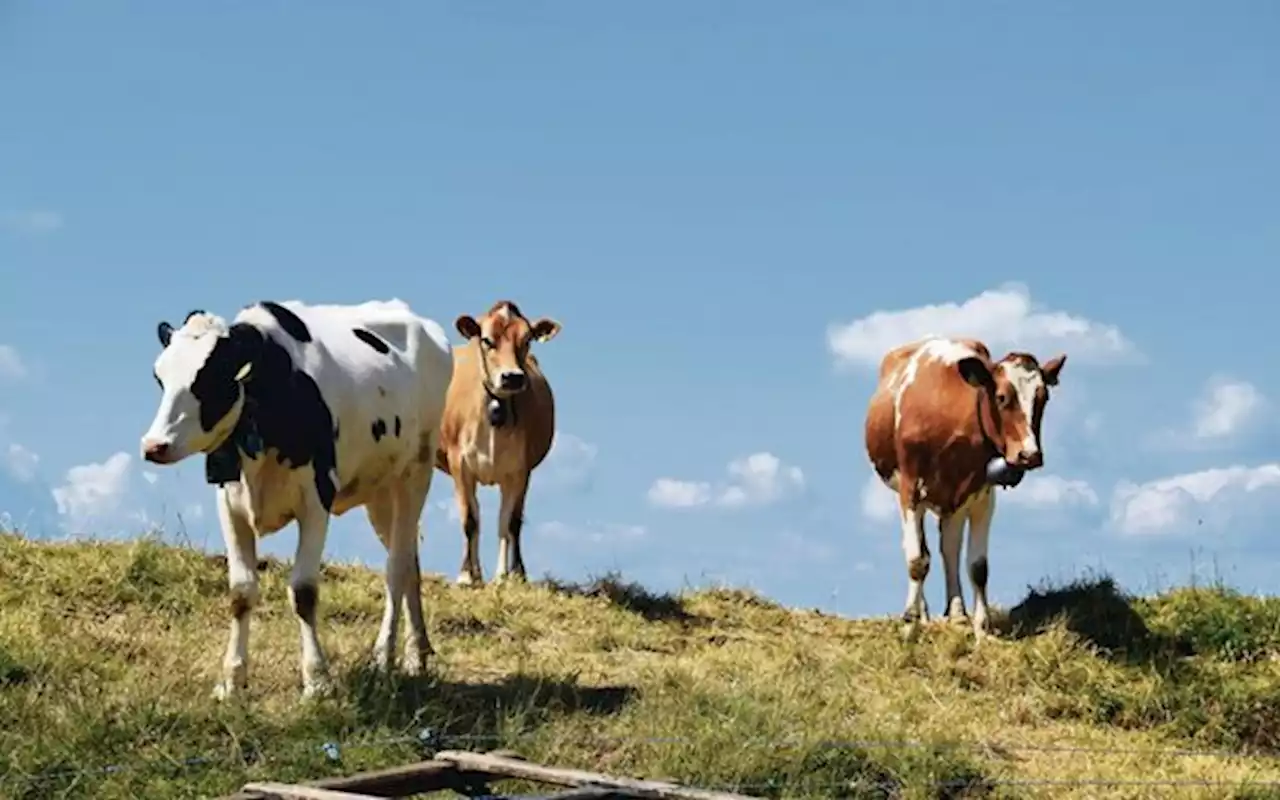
283, 405
305, 597
379, 430
397, 426
372, 339
291, 322
978, 573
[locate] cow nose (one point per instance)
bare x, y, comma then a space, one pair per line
156, 452
512, 381
1031, 459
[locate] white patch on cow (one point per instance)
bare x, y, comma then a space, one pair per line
1025, 382
945, 351
914, 548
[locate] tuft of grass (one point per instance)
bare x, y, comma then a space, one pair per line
108, 652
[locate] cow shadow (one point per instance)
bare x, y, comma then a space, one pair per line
628, 596
479, 714
1098, 611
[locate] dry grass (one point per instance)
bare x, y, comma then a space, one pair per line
108, 653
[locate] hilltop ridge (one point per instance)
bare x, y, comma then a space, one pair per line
108, 652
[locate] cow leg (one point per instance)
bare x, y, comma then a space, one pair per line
510, 521
404, 500
382, 516
950, 538
304, 593
916, 551
464, 489
417, 645
982, 511
242, 577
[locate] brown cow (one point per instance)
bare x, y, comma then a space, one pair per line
499, 419
943, 426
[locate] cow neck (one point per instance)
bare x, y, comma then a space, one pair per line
499, 410
224, 462
994, 444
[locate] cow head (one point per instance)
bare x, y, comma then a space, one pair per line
201, 372
1017, 388
505, 335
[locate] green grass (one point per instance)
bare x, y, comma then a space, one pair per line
108, 653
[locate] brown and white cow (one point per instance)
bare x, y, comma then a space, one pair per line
499, 420
942, 417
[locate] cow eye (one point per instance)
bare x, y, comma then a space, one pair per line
1003, 399
487, 342
158, 381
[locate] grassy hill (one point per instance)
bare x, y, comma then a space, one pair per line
108, 653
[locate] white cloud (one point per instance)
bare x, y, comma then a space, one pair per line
11, 366
1041, 491
593, 532
879, 502
93, 491
757, 480
1003, 318
31, 223
671, 493
569, 464
760, 479
1168, 504
1226, 407
21, 462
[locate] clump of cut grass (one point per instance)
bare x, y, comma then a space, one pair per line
108, 652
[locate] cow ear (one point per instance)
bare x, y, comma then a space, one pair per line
165, 332
467, 326
975, 372
1052, 368
545, 329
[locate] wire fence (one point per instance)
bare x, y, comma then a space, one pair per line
428, 740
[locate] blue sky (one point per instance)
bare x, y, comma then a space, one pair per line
732, 207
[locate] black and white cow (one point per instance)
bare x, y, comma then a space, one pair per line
304, 411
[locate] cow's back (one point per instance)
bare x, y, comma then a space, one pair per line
382, 370
880, 428
924, 411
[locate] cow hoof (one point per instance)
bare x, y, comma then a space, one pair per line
467, 579
317, 688
911, 630
414, 660
223, 691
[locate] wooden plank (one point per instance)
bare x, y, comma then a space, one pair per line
295, 792
407, 779
500, 766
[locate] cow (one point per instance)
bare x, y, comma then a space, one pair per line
498, 424
305, 412
944, 426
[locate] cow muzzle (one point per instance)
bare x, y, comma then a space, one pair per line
157, 452
1029, 459
512, 381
